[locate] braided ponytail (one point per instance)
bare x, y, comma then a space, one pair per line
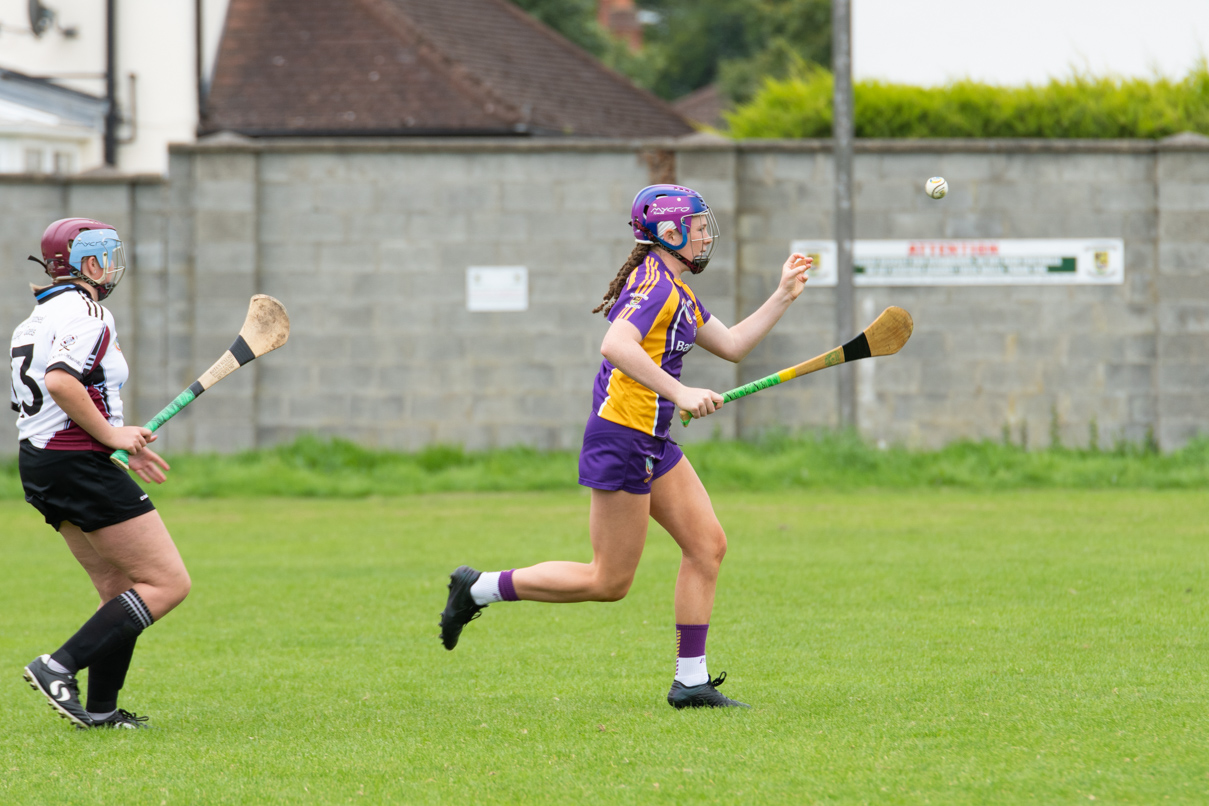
636, 259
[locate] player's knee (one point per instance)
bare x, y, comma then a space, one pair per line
719, 547
173, 589
710, 550
182, 587
614, 590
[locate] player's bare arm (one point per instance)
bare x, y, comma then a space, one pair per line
72, 397
734, 343
622, 347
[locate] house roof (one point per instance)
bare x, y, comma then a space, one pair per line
704, 106
48, 103
381, 67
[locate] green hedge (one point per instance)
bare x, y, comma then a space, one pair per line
313, 468
1081, 106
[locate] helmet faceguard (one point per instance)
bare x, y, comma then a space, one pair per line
66, 243
659, 210
106, 247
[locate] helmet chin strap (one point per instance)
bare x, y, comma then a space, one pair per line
692, 266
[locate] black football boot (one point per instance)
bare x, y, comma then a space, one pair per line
60, 689
460, 608
122, 719
703, 696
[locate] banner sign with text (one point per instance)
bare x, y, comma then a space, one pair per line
1010, 261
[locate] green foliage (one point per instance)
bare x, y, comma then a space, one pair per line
903, 647
574, 19
734, 42
1081, 106
313, 468
792, 35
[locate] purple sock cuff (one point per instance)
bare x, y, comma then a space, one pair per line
506, 588
690, 640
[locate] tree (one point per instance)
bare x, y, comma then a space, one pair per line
574, 19
736, 43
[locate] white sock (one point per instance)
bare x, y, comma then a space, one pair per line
56, 667
486, 589
692, 671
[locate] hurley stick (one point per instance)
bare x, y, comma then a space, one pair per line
265, 329
886, 336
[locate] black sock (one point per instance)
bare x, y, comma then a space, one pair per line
106, 676
119, 621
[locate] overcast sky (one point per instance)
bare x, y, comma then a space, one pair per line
927, 42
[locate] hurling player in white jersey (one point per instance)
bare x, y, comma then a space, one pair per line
67, 374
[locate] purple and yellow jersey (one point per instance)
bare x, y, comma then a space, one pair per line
667, 314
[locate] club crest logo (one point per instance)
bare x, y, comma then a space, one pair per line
650, 469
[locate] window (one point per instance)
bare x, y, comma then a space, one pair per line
63, 162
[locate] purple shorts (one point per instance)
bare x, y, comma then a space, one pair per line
615, 457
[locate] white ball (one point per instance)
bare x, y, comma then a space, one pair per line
936, 187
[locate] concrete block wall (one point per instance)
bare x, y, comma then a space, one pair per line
981, 359
369, 251
368, 244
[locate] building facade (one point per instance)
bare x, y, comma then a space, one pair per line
157, 73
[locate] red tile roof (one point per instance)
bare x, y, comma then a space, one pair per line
376, 67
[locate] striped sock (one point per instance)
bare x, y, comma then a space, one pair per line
492, 587
118, 621
690, 654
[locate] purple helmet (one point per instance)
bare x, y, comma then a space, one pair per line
658, 210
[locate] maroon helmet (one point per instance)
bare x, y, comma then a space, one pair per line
56, 250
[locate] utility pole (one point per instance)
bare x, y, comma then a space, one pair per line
111, 66
199, 41
842, 136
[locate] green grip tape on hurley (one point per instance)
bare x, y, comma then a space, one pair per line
751, 388
122, 458
742, 391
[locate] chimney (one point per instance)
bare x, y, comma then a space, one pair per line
620, 19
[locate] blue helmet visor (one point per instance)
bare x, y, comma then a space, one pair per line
106, 247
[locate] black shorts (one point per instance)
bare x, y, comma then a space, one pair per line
83, 487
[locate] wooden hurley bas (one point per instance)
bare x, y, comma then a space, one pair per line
886, 336
266, 328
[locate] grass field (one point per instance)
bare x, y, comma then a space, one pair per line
918, 646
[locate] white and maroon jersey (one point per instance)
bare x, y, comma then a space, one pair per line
67, 330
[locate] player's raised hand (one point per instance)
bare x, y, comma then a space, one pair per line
699, 402
793, 274
149, 466
129, 438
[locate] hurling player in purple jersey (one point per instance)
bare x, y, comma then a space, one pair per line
67, 375
635, 470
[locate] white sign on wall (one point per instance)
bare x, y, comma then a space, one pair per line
1012, 261
497, 288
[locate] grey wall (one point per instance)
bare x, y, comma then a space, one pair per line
367, 244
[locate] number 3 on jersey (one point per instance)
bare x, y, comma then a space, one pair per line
26, 353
